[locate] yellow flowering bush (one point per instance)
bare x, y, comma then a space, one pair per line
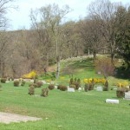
122, 84
30, 75
95, 80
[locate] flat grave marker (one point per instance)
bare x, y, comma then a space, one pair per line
71, 90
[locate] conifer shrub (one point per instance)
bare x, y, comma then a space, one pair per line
59, 86
74, 83
122, 87
90, 86
105, 88
77, 85
35, 85
78, 82
120, 93
73, 86
39, 84
3, 80
23, 83
45, 92
16, 83
71, 81
86, 87
31, 90
63, 88
51, 86
35, 80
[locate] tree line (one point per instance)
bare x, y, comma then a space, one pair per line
105, 30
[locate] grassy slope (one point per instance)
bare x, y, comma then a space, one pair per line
82, 68
64, 110
77, 68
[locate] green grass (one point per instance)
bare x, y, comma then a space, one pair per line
64, 110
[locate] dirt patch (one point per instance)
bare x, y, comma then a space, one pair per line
9, 118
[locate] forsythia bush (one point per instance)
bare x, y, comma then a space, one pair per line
95, 80
30, 75
122, 84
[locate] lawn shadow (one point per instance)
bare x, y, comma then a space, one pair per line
122, 73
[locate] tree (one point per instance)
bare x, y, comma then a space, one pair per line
4, 52
90, 33
25, 55
51, 17
71, 39
123, 35
104, 66
104, 13
4, 44
4, 7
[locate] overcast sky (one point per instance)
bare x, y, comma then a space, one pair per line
20, 18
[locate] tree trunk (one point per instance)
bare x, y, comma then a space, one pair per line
112, 58
2, 69
94, 55
88, 52
58, 67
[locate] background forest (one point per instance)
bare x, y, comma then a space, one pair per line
104, 30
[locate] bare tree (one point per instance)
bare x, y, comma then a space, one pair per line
5, 5
104, 11
4, 52
72, 42
48, 21
92, 37
24, 54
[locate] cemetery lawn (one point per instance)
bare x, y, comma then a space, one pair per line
64, 110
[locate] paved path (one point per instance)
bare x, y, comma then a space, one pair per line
9, 117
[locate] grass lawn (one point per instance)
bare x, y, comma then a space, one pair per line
64, 110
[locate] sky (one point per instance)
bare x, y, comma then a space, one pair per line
19, 18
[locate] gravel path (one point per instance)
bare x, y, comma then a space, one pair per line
9, 117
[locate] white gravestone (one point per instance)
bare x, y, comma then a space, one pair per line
127, 95
99, 88
114, 101
56, 87
71, 90
80, 89
43, 81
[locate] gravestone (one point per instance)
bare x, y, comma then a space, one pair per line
71, 90
127, 95
80, 89
56, 87
113, 101
99, 88
43, 81
115, 88
99, 72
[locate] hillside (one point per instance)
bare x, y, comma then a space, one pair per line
81, 67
